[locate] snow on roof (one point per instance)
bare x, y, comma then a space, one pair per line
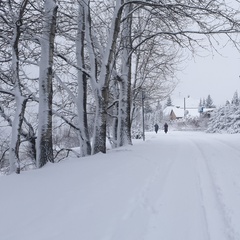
193, 112
179, 112
208, 109
191, 106
167, 110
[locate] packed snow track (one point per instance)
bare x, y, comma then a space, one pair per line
175, 186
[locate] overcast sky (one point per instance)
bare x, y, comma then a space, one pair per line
214, 74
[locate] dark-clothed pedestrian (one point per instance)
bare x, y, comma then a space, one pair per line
165, 127
156, 127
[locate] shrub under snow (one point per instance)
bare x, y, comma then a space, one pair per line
225, 120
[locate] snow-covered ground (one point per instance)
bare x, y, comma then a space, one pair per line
175, 186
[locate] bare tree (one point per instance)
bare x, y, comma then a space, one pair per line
16, 91
100, 80
124, 105
106, 53
85, 145
44, 140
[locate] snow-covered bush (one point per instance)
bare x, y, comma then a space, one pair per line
137, 133
189, 124
225, 119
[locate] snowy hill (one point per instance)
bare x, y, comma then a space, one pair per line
146, 191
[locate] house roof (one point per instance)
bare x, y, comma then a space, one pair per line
167, 110
179, 113
193, 112
208, 109
192, 108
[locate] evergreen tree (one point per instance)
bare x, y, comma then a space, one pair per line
227, 118
227, 103
209, 102
204, 102
169, 102
235, 99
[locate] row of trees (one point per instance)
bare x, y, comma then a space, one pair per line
84, 65
207, 103
226, 119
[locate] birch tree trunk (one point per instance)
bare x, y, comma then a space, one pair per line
14, 162
124, 111
85, 146
44, 139
101, 87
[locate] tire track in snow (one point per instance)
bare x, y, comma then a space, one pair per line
135, 221
212, 199
235, 156
146, 215
180, 213
236, 150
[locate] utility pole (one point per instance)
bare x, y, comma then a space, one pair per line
184, 106
143, 124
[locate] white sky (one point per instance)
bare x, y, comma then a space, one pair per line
179, 185
214, 74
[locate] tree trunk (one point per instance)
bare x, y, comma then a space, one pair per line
44, 139
124, 112
85, 146
100, 131
16, 133
14, 161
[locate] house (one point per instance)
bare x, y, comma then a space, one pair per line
207, 112
189, 106
176, 113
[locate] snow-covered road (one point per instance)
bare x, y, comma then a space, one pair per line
192, 193
199, 197
176, 186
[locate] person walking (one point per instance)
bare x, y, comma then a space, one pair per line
165, 127
156, 127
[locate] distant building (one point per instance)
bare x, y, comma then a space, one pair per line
207, 112
176, 111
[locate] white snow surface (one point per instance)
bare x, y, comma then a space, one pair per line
175, 186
